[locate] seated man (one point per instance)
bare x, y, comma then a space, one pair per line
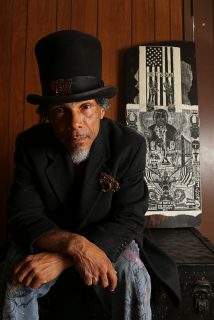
78, 199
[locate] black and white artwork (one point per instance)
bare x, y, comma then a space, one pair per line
160, 77
172, 168
163, 108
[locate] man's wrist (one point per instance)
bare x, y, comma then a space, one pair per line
57, 241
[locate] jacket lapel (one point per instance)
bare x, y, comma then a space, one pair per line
91, 191
60, 172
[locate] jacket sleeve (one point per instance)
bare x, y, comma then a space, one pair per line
27, 219
129, 205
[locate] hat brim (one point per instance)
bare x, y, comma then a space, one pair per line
104, 92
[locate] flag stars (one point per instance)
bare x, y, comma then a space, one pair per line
153, 56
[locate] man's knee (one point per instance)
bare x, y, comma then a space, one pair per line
131, 268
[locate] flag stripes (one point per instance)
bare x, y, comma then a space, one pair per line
159, 78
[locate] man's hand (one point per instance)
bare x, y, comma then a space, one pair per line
37, 269
92, 263
89, 260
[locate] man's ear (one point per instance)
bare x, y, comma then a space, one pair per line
102, 113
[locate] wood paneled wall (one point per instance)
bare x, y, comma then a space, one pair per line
203, 12
119, 24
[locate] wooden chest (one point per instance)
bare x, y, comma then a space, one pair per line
194, 256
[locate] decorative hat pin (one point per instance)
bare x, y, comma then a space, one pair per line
108, 184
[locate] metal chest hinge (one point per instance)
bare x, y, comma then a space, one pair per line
202, 293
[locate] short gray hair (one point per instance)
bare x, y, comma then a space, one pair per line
103, 102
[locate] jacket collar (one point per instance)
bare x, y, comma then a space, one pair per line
59, 170
97, 163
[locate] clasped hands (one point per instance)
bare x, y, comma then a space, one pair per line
90, 261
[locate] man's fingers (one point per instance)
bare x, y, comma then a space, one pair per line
95, 280
19, 266
112, 279
98, 265
28, 279
87, 278
24, 264
23, 273
104, 281
36, 283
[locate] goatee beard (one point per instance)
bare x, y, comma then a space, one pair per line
78, 155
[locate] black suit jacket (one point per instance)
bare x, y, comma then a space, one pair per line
44, 182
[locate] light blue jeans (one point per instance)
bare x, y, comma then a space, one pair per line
130, 300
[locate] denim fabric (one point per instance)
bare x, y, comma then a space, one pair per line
130, 300
20, 302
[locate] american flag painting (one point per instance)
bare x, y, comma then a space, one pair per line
162, 106
160, 78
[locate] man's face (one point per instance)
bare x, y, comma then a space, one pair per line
76, 124
160, 118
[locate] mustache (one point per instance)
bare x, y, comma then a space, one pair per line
77, 135
74, 134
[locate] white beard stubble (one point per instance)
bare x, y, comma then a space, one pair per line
78, 155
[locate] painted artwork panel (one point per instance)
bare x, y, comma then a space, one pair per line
173, 164
162, 106
160, 77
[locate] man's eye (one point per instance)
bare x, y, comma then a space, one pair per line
59, 111
86, 107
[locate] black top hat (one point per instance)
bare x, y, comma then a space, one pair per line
70, 66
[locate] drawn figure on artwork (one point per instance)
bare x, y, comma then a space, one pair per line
153, 89
136, 76
161, 131
194, 127
186, 81
168, 88
179, 196
132, 120
163, 182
